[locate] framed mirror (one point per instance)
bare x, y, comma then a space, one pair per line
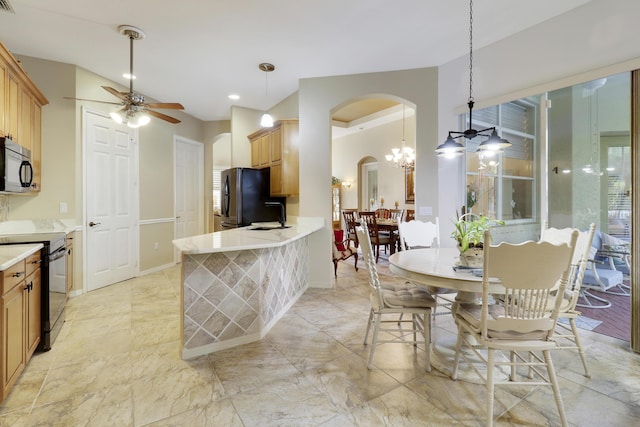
409, 185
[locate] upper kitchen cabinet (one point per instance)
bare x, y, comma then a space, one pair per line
21, 105
277, 148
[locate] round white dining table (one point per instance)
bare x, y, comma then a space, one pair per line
434, 268
439, 268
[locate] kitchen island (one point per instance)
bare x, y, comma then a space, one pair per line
236, 284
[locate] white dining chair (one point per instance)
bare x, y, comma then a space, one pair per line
520, 323
394, 300
567, 336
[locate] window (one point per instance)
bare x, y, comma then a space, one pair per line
217, 186
504, 186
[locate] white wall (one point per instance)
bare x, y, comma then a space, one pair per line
348, 150
317, 98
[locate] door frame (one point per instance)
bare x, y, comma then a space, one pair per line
200, 190
136, 205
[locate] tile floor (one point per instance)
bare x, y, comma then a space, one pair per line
117, 363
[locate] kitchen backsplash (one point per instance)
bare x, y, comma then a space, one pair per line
4, 207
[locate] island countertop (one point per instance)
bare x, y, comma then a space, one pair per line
244, 238
10, 254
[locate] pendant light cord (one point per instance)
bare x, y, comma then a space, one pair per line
471, 51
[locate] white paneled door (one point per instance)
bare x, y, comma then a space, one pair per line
111, 196
189, 180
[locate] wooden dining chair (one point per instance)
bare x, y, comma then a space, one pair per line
350, 221
377, 239
519, 323
411, 215
396, 214
382, 213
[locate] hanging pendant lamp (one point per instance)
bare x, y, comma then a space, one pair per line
266, 121
493, 144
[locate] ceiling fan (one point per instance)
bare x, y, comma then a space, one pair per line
135, 111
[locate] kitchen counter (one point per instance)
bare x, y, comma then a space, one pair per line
37, 226
245, 238
10, 254
237, 284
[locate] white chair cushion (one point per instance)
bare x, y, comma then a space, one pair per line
408, 297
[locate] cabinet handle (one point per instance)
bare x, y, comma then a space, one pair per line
18, 274
29, 287
37, 261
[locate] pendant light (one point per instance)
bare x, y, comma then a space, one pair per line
267, 120
493, 144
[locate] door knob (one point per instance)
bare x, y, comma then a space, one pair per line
93, 224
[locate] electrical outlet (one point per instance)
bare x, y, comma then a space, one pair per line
63, 207
156, 245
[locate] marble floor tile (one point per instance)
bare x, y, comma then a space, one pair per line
117, 362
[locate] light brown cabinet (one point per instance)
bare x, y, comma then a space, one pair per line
280, 144
21, 105
69, 243
21, 291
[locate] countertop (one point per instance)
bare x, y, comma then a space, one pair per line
245, 238
10, 254
37, 226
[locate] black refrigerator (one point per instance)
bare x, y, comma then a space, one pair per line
243, 196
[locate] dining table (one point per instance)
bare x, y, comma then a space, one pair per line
439, 269
391, 226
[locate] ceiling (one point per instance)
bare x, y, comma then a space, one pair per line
197, 52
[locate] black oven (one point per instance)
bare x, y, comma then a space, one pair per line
54, 280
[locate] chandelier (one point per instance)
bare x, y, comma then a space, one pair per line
493, 144
403, 157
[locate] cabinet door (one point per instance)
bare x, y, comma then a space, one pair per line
13, 336
26, 119
276, 179
3, 98
34, 323
70, 262
276, 144
255, 153
36, 146
12, 106
265, 149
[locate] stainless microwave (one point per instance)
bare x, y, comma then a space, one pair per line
16, 169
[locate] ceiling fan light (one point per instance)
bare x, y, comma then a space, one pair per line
266, 121
117, 117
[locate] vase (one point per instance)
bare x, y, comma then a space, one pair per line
472, 257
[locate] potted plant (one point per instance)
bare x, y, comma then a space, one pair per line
469, 234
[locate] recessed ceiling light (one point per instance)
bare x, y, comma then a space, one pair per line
234, 96
128, 76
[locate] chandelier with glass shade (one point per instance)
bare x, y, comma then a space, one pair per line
403, 157
493, 144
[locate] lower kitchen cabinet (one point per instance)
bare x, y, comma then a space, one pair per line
20, 304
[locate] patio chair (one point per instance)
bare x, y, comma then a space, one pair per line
599, 277
567, 336
520, 323
395, 299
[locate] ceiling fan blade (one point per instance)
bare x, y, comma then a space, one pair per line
94, 100
166, 105
162, 116
118, 94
